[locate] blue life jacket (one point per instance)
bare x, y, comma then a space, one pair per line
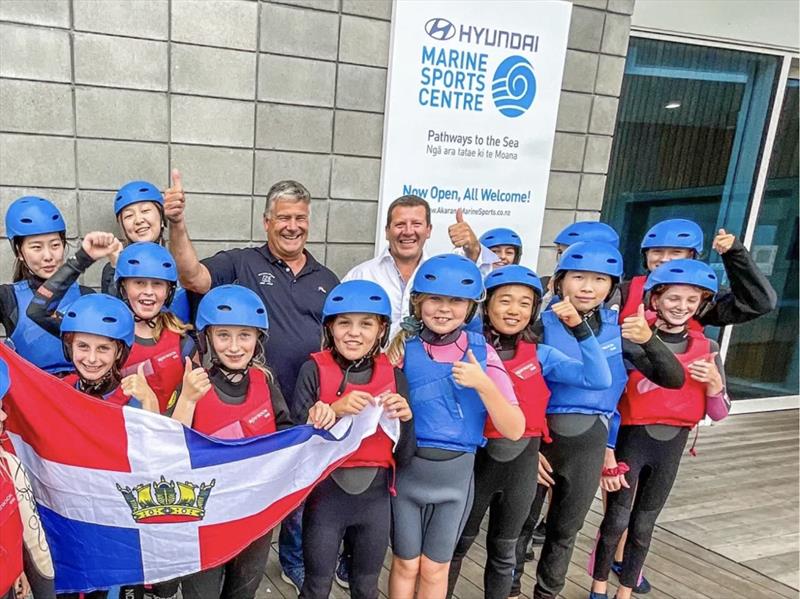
568, 399
446, 415
31, 341
476, 324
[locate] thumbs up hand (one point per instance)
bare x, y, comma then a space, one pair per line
635, 328
174, 199
469, 373
462, 236
567, 313
723, 241
195, 382
135, 385
706, 371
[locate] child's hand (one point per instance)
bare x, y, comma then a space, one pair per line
611, 483
135, 385
635, 328
321, 415
723, 241
352, 403
396, 406
469, 374
706, 371
567, 313
545, 471
98, 244
195, 382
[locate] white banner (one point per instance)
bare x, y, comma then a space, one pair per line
472, 100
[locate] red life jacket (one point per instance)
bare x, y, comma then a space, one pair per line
377, 449
163, 366
531, 391
644, 402
636, 297
117, 397
10, 531
251, 418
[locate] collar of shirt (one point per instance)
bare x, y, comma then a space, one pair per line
311, 264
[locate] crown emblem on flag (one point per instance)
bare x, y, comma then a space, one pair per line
165, 501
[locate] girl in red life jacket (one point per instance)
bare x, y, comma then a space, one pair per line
506, 470
655, 422
751, 294
146, 278
234, 397
348, 374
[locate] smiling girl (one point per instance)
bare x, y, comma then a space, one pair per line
455, 381
37, 232
656, 421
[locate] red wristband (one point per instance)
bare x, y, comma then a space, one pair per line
621, 468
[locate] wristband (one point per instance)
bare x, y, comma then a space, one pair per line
621, 468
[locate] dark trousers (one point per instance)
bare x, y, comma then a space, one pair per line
330, 513
653, 469
506, 489
577, 462
525, 538
237, 579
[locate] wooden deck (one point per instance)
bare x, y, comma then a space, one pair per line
730, 529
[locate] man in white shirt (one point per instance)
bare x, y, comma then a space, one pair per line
408, 227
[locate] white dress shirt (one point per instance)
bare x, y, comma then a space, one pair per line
383, 271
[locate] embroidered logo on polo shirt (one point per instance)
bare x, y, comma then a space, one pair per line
265, 278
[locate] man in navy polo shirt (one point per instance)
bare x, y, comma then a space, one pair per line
292, 284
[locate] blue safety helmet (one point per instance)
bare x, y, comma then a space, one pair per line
363, 297
500, 236
99, 314
587, 230
592, 256
5, 380
674, 233
232, 305
449, 275
32, 215
684, 272
146, 260
513, 274
134, 192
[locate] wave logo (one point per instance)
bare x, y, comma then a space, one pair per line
513, 86
440, 29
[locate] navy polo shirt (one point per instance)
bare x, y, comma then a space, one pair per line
294, 303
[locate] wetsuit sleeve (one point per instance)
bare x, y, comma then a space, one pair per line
45, 300
188, 347
750, 295
590, 373
283, 418
407, 445
655, 361
107, 280
8, 309
306, 391
613, 430
496, 371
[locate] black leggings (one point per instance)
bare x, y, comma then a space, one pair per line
653, 468
577, 461
329, 514
237, 579
506, 489
525, 538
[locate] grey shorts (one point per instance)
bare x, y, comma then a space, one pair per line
432, 504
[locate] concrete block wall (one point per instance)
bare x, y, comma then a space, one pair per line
240, 93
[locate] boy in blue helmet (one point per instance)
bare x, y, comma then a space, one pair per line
750, 295
37, 232
505, 243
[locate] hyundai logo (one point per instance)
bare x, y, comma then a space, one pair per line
440, 29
